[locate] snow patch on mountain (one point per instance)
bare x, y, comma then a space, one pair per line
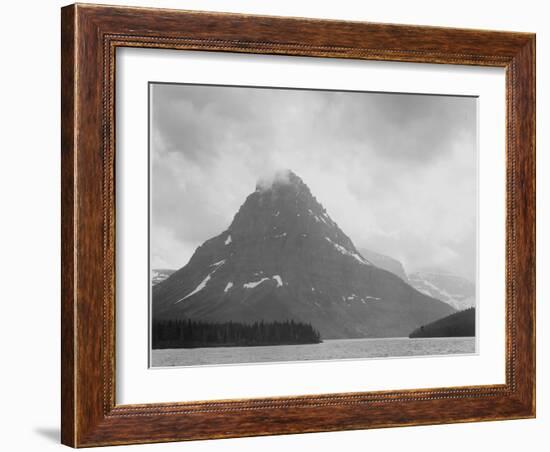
228, 287
228, 240
197, 289
368, 297
347, 252
253, 284
204, 282
362, 299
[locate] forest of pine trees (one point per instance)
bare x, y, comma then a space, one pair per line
459, 324
190, 333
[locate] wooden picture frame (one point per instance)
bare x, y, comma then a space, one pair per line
90, 35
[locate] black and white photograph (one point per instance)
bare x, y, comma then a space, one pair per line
297, 224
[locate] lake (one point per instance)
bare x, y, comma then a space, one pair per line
327, 350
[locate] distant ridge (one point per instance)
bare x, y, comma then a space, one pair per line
454, 290
160, 274
385, 262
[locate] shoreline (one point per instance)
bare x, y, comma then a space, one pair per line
193, 347
234, 345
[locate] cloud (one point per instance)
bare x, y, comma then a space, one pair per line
271, 176
395, 171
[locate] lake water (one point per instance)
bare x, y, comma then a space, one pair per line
329, 349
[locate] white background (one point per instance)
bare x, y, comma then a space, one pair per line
30, 229
137, 384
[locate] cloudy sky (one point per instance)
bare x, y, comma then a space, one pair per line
397, 172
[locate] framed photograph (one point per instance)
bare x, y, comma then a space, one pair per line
281, 225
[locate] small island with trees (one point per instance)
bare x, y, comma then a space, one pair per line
188, 333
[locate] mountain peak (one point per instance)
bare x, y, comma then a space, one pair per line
281, 201
283, 257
